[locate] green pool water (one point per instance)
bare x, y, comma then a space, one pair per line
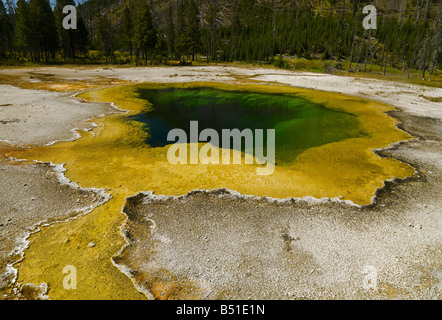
299, 124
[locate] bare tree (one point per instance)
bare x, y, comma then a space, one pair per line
419, 7
361, 46
342, 30
401, 23
355, 15
386, 44
436, 40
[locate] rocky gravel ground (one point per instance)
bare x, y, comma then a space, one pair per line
31, 195
222, 245
219, 244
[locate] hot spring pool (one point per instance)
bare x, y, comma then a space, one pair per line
299, 124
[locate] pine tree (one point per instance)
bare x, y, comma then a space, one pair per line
170, 30
126, 30
235, 28
341, 33
193, 29
105, 37
391, 24
43, 31
66, 38
81, 37
182, 45
145, 33
5, 31
211, 22
22, 27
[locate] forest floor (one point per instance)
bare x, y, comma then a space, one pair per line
276, 250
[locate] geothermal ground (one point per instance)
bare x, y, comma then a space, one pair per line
215, 244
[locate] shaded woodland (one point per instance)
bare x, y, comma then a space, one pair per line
408, 37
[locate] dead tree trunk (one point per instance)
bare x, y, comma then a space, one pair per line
437, 41
355, 11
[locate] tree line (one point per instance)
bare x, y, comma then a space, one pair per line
33, 30
408, 36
